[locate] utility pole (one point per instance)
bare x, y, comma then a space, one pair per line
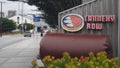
1, 19
23, 22
22, 16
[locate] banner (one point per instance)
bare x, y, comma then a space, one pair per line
36, 18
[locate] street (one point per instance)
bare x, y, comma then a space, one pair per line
11, 39
18, 51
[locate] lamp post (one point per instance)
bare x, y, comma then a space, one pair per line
22, 18
1, 20
22, 12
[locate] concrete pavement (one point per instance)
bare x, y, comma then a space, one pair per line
20, 55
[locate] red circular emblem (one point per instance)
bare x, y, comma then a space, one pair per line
72, 22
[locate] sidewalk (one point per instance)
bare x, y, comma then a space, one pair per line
19, 56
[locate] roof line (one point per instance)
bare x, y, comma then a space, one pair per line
77, 6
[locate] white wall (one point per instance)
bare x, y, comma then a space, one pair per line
21, 20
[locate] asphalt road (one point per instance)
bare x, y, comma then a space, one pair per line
18, 51
11, 39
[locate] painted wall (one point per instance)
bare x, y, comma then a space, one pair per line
25, 19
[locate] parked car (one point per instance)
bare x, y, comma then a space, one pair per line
27, 34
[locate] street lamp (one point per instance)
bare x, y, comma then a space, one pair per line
1, 20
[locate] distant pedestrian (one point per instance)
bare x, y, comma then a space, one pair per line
41, 34
42, 31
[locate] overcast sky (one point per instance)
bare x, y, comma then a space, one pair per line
15, 5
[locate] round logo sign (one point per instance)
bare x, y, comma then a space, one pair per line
72, 22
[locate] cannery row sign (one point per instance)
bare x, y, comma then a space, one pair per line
75, 22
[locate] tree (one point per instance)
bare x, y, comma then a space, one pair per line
45, 27
53, 7
26, 26
8, 25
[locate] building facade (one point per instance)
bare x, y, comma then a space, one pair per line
19, 19
102, 9
11, 13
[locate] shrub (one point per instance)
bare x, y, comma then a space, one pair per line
98, 61
8, 25
26, 26
34, 63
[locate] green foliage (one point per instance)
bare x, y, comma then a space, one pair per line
34, 63
53, 7
26, 26
99, 61
45, 27
8, 25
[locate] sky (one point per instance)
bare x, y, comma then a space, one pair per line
15, 5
